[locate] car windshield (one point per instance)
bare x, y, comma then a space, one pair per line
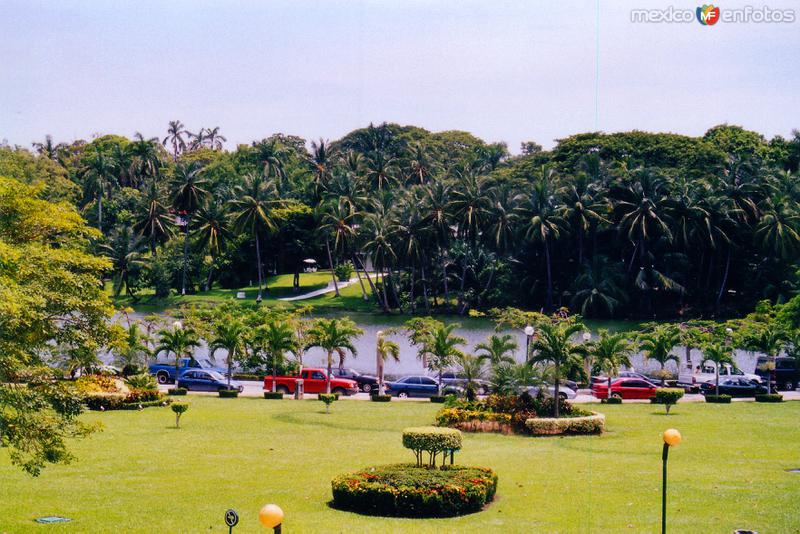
213, 375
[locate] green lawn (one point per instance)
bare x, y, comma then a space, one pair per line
142, 475
279, 286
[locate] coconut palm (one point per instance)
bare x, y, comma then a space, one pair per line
657, 345
610, 352
275, 339
134, 350
472, 368
212, 232
320, 162
769, 339
154, 221
436, 344
554, 346
229, 334
334, 336
384, 350
497, 349
179, 341
719, 355
176, 133
125, 251
252, 213
99, 173
187, 195
214, 139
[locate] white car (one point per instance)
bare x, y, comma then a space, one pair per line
563, 391
706, 373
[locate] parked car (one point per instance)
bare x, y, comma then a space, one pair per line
165, 372
621, 374
786, 375
705, 373
366, 383
735, 387
625, 388
420, 386
482, 387
563, 391
206, 380
314, 381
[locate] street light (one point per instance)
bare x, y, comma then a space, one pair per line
672, 438
271, 516
529, 331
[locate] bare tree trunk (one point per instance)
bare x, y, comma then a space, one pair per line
357, 261
258, 260
361, 283
330, 262
411, 292
328, 379
444, 280
724, 281
425, 290
549, 301
185, 254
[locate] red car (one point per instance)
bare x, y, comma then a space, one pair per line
314, 381
625, 388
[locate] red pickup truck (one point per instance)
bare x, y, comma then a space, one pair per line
314, 381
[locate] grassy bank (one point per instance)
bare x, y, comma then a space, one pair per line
142, 475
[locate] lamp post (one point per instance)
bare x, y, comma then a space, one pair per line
671, 439
529, 331
271, 516
587, 336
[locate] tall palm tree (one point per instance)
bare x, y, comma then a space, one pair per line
214, 139
99, 175
146, 157
212, 232
276, 338
252, 213
610, 352
381, 168
554, 346
179, 341
176, 133
379, 247
598, 287
472, 368
154, 221
271, 155
582, 209
198, 140
320, 162
719, 355
658, 344
47, 148
125, 251
187, 195
436, 344
229, 334
497, 349
778, 228
334, 336
384, 350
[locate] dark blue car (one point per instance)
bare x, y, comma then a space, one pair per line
419, 386
205, 380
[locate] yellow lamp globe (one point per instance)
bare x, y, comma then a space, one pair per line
270, 515
672, 437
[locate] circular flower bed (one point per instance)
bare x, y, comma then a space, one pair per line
408, 491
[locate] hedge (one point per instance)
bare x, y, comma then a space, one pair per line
380, 398
718, 399
228, 393
177, 391
118, 401
408, 491
277, 395
611, 400
772, 397
248, 376
550, 426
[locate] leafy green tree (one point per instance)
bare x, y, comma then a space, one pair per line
99, 175
554, 346
497, 349
334, 336
179, 341
153, 221
188, 194
657, 345
718, 355
276, 338
229, 334
436, 344
384, 350
610, 352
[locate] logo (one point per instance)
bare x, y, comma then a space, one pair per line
707, 15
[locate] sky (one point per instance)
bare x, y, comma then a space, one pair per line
505, 71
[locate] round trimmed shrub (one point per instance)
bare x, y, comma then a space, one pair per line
718, 399
772, 397
273, 395
228, 393
380, 398
550, 426
177, 391
405, 490
668, 397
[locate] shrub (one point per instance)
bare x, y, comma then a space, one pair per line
344, 271
328, 399
277, 395
438, 399
718, 399
409, 491
380, 398
96, 384
611, 400
667, 397
228, 393
130, 369
142, 381
433, 440
549, 426
772, 397
179, 408
119, 401
248, 376
143, 395
177, 391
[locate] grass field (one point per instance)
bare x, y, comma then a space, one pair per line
142, 475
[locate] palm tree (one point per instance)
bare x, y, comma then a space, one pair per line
179, 341
778, 228
769, 340
598, 287
146, 156
276, 338
384, 350
99, 174
47, 148
497, 349
154, 221
175, 137
719, 355
135, 349
320, 162
212, 231
610, 352
252, 213
657, 345
214, 139
436, 343
334, 335
554, 346
125, 252
271, 155
188, 194
582, 210
229, 334
472, 369
379, 247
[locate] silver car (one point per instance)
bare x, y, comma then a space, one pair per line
563, 391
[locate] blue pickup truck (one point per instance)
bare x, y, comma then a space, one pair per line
165, 372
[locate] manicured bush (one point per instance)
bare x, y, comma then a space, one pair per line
380, 398
177, 391
118, 401
667, 396
433, 440
438, 399
718, 399
328, 399
179, 408
550, 426
228, 393
772, 397
611, 400
248, 376
277, 395
408, 491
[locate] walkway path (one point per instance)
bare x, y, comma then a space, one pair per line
322, 291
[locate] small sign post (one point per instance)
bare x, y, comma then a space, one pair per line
231, 519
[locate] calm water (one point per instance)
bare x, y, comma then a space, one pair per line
474, 330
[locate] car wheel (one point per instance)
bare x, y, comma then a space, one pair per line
283, 390
562, 396
616, 395
162, 378
366, 388
338, 391
402, 395
788, 386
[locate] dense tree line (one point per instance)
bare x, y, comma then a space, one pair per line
629, 224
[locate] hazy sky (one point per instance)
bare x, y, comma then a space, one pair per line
506, 71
